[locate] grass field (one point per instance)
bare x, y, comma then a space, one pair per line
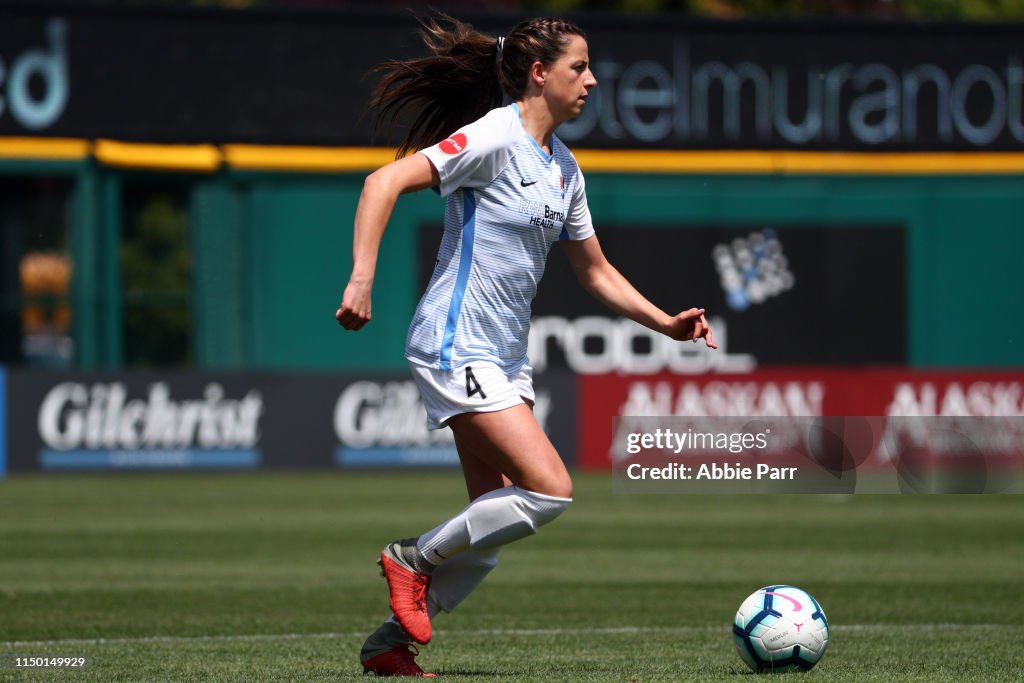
272, 577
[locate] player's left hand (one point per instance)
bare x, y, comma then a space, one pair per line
691, 324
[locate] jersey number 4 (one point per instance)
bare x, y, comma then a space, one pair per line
472, 385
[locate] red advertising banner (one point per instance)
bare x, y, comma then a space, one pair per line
794, 392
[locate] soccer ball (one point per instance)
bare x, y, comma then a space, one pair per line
780, 628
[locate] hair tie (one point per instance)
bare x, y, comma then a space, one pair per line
499, 45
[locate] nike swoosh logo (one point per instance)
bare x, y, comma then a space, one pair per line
439, 554
796, 605
526, 184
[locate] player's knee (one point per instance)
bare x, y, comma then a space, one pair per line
556, 485
545, 507
563, 489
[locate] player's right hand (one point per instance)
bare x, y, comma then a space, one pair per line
355, 308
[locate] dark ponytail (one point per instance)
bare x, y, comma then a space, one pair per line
464, 77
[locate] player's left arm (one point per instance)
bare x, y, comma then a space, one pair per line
605, 283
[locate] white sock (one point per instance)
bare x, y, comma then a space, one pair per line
456, 578
492, 520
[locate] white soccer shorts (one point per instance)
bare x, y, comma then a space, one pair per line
476, 387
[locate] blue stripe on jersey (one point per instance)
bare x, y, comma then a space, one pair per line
465, 263
547, 157
564, 235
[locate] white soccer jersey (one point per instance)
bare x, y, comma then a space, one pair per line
508, 202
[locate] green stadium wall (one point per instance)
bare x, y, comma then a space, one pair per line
272, 253
272, 304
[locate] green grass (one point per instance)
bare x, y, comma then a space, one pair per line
272, 577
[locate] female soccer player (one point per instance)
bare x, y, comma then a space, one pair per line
513, 189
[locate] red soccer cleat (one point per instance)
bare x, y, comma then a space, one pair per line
398, 661
408, 589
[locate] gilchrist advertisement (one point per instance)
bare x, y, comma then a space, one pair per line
383, 423
184, 420
133, 421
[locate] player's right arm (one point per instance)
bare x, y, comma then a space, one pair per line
380, 193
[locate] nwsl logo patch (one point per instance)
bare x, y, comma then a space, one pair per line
456, 144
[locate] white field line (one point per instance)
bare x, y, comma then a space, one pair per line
500, 632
